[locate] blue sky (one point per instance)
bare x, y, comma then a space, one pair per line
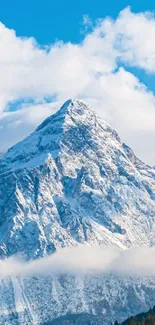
48, 20
110, 66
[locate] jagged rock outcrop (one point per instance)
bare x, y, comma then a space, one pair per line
73, 181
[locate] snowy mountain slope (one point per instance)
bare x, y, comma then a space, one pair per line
33, 301
73, 181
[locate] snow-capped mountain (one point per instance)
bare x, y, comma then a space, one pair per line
73, 181
36, 300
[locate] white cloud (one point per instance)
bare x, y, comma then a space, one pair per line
84, 260
15, 126
90, 71
136, 42
87, 23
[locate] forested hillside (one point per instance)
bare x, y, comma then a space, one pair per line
81, 319
141, 319
147, 318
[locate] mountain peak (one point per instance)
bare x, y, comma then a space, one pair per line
74, 105
73, 181
73, 126
71, 107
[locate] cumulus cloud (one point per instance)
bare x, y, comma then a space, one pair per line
15, 126
92, 70
84, 260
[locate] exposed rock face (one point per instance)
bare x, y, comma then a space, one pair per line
38, 300
73, 181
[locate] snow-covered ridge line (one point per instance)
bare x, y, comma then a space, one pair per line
33, 151
72, 182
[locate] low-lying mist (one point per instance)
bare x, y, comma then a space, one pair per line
84, 260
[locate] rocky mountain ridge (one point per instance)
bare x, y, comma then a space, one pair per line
74, 182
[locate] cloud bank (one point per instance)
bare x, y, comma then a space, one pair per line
95, 70
84, 260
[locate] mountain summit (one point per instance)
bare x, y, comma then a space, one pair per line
63, 131
73, 181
